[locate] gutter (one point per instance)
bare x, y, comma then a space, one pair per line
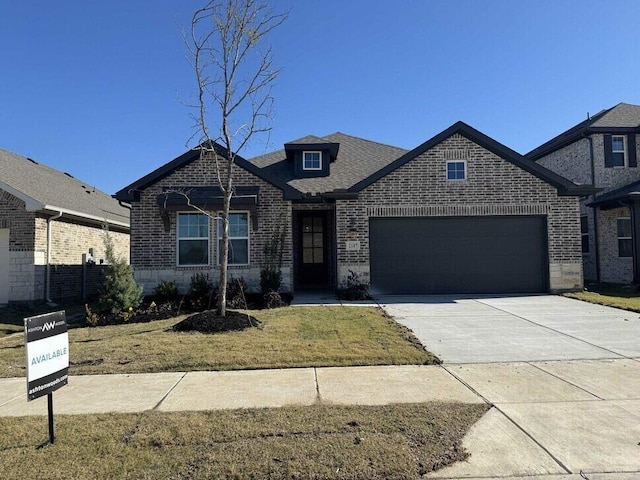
48, 264
96, 219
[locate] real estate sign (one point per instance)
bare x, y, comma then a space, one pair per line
47, 346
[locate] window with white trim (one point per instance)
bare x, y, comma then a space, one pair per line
238, 238
456, 170
584, 233
312, 160
625, 244
193, 239
619, 150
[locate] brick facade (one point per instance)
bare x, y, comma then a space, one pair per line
153, 251
493, 187
69, 240
574, 161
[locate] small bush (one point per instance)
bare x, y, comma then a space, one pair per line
200, 292
270, 280
166, 291
353, 288
236, 288
273, 300
119, 292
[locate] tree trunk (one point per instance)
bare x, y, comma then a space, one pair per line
224, 257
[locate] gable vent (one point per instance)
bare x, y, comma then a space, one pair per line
456, 154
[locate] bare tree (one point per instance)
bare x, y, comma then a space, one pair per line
235, 73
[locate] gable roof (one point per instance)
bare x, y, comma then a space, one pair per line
43, 188
131, 192
623, 118
357, 158
564, 186
618, 197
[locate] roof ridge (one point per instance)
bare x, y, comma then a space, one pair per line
366, 140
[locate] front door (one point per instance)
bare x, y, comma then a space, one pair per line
313, 264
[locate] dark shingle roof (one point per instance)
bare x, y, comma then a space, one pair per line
357, 159
614, 198
44, 188
622, 116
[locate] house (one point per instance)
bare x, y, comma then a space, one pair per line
460, 213
51, 232
603, 151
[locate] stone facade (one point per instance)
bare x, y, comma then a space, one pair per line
69, 241
575, 163
493, 187
153, 250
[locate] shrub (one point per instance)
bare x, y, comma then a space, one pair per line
236, 288
119, 292
200, 292
273, 300
166, 291
353, 288
271, 272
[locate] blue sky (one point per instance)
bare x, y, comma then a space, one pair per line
99, 88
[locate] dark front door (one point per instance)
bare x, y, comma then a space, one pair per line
313, 264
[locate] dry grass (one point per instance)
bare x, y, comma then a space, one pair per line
320, 442
287, 337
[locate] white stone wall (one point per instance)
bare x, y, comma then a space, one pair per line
148, 279
26, 277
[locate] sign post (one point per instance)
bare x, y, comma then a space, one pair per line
47, 347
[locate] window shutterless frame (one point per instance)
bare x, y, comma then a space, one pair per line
625, 245
584, 233
619, 150
312, 160
234, 236
192, 228
456, 170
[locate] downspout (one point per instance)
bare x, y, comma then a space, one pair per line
48, 280
596, 242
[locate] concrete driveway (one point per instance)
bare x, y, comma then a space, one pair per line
563, 377
485, 329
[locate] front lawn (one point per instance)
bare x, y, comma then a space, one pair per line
286, 337
622, 296
321, 442
631, 303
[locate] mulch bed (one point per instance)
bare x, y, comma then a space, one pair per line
210, 322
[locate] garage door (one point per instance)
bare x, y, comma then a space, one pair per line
458, 255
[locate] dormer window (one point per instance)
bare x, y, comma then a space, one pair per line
312, 160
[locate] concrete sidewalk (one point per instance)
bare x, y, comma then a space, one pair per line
549, 420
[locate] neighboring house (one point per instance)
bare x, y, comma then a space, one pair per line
603, 151
50, 224
461, 213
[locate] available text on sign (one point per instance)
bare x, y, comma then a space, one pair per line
47, 343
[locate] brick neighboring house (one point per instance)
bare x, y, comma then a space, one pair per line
603, 151
460, 213
49, 223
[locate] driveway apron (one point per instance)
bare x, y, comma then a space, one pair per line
484, 329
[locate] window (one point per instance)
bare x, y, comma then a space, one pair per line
624, 237
619, 150
238, 238
312, 160
193, 239
456, 170
584, 233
